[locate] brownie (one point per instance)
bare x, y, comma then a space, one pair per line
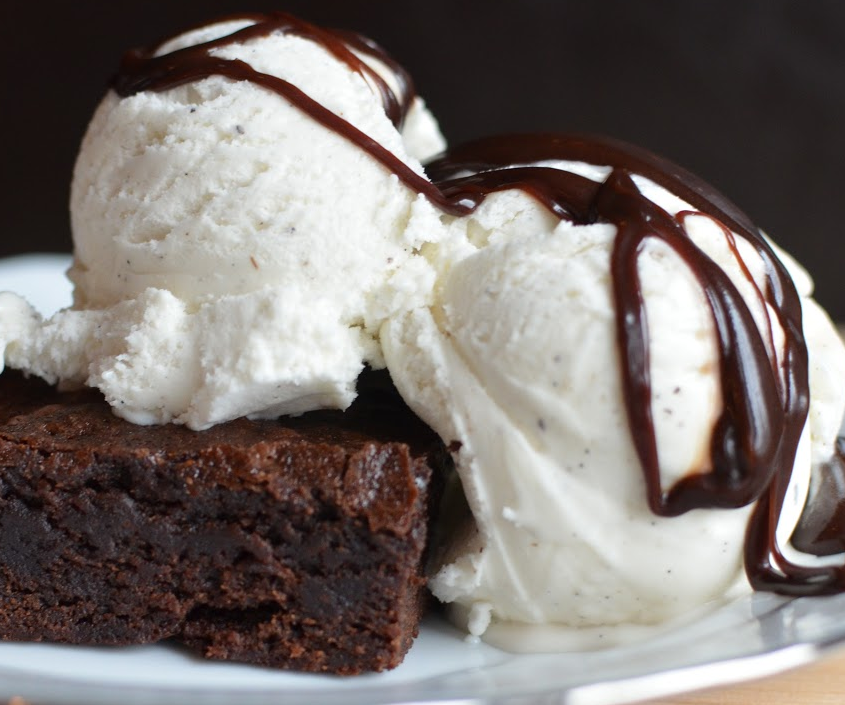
296, 543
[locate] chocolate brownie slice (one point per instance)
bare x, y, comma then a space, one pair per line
296, 543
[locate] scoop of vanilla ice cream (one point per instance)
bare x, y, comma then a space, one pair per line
514, 356
228, 248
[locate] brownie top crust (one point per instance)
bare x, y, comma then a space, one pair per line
362, 460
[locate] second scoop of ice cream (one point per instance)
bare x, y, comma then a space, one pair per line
516, 359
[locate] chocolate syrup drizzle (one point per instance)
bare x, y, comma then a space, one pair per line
142, 70
755, 439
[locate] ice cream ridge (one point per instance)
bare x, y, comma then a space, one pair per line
638, 390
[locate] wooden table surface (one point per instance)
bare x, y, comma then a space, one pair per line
822, 683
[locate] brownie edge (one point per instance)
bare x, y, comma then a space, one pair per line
296, 544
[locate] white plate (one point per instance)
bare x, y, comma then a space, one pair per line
754, 636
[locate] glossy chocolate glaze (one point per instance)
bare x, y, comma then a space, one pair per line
755, 439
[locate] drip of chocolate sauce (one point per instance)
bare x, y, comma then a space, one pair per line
821, 529
755, 439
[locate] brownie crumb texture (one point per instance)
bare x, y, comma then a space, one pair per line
295, 544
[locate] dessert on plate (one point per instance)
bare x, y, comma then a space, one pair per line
632, 380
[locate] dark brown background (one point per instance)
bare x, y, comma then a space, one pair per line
748, 93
